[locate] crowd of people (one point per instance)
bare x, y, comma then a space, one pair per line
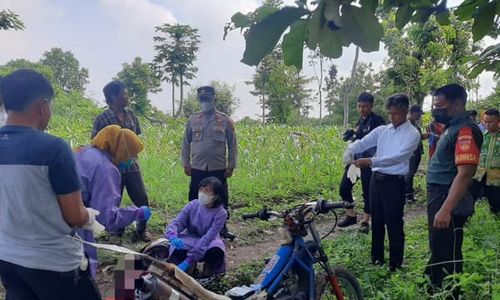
52, 196
462, 168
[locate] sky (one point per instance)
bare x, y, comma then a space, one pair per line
104, 34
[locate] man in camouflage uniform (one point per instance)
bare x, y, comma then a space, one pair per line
449, 175
487, 178
209, 136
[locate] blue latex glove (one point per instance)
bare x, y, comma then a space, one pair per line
184, 266
145, 213
177, 243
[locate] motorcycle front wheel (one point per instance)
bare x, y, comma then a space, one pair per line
348, 284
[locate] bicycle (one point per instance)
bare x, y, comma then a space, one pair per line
290, 273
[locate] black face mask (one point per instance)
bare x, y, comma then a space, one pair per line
441, 115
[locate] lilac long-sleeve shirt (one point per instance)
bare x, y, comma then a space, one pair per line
101, 191
198, 226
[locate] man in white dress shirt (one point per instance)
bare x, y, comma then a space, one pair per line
395, 144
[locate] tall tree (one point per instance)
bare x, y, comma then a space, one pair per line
317, 62
285, 90
425, 56
224, 93
176, 47
66, 69
260, 82
260, 79
288, 95
16, 64
140, 79
347, 93
10, 20
364, 80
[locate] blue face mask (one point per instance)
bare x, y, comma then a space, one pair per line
125, 165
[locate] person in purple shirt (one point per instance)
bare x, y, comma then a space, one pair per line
100, 178
194, 233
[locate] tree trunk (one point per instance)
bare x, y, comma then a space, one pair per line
263, 108
349, 88
320, 85
173, 98
179, 109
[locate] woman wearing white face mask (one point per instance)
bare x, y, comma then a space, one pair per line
194, 233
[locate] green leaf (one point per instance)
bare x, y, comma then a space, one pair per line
263, 36
362, 27
240, 20
293, 44
330, 44
331, 11
388, 4
370, 5
263, 11
443, 18
483, 21
466, 10
403, 16
314, 25
422, 15
477, 70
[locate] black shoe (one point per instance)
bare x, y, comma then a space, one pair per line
410, 198
226, 234
364, 228
348, 221
377, 262
144, 235
394, 268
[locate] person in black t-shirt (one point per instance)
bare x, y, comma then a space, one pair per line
414, 117
367, 122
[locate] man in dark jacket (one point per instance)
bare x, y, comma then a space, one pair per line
367, 122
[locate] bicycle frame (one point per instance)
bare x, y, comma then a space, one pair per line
300, 256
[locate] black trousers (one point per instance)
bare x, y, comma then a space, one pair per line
445, 244
479, 189
32, 284
213, 259
387, 198
198, 175
136, 190
346, 186
414, 163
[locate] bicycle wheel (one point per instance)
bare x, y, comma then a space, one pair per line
348, 284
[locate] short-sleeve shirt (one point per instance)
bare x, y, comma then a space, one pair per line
130, 121
35, 167
460, 144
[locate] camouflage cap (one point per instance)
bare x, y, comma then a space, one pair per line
206, 91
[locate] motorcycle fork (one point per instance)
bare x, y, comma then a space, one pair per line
330, 273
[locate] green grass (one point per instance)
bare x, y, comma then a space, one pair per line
274, 171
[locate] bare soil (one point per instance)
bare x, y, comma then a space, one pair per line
254, 243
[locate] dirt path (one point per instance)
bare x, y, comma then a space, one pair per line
253, 248
250, 247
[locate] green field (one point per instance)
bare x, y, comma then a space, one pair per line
277, 170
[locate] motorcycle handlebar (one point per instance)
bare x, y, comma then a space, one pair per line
321, 206
250, 216
324, 206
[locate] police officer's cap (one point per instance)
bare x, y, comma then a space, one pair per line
206, 91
